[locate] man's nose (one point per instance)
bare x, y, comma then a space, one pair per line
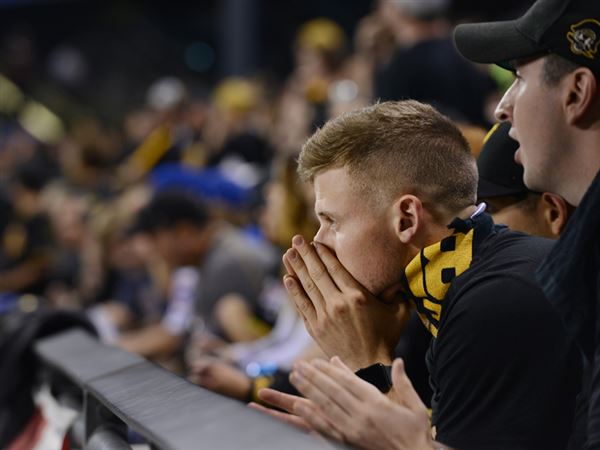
503, 112
319, 235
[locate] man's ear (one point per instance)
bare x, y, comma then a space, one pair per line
408, 217
581, 89
555, 212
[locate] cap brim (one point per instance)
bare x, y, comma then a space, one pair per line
488, 189
494, 42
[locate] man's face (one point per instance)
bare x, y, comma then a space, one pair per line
517, 214
534, 110
359, 232
167, 245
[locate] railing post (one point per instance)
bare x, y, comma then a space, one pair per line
103, 430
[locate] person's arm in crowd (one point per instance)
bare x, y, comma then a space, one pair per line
340, 405
150, 341
221, 377
237, 320
165, 337
24, 275
343, 317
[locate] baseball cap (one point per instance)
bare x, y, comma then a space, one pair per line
569, 28
499, 174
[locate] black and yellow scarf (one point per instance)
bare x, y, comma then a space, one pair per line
430, 274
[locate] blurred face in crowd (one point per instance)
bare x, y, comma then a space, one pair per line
180, 245
535, 111
26, 201
167, 246
361, 235
271, 218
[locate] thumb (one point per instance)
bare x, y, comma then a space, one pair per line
403, 388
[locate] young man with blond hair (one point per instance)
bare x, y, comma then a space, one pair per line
395, 188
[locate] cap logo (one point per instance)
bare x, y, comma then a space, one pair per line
585, 38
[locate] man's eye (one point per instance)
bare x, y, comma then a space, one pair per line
330, 222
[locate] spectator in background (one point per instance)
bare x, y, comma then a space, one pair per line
508, 200
207, 260
76, 269
245, 367
87, 158
319, 47
26, 240
427, 67
238, 105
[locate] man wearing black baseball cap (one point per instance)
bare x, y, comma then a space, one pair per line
554, 109
508, 200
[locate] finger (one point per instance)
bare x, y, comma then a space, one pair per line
316, 268
337, 370
336, 361
310, 268
307, 284
403, 388
325, 392
288, 266
278, 399
315, 418
286, 417
338, 273
304, 306
201, 367
336, 410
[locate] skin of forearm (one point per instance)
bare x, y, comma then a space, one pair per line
22, 276
151, 341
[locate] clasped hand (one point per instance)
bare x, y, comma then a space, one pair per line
343, 317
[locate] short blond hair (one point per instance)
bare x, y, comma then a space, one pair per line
397, 148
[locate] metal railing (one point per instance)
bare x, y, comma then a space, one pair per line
122, 390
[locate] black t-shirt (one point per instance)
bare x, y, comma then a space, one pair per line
503, 371
570, 277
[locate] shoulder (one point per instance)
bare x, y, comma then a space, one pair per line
500, 286
504, 245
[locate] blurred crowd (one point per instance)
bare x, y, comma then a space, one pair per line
168, 231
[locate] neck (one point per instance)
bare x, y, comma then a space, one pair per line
438, 229
582, 175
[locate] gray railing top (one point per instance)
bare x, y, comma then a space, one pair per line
167, 410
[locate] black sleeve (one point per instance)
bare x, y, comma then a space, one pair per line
504, 373
593, 406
